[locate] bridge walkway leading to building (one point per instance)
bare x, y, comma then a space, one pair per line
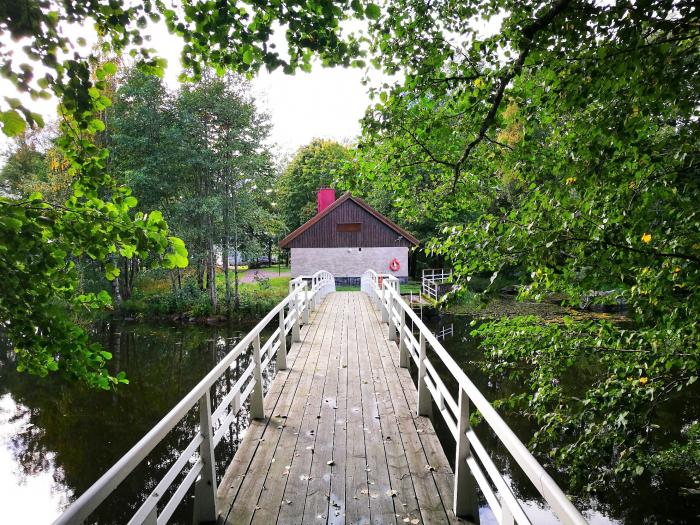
342, 442
338, 431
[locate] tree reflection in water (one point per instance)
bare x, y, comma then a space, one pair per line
74, 434
77, 433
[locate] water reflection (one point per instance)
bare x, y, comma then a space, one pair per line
650, 500
37, 485
56, 439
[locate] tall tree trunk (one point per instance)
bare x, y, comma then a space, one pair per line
236, 297
200, 274
116, 350
135, 266
205, 273
116, 290
224, 254
224, 260
173, 282
131, 267
124, 277
212, 268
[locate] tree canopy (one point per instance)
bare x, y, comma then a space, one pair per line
560, 146
40, 239
322, 163
561, 149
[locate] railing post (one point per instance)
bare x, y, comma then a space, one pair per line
392, 326
205, 486
295, 327
282, 350
257, 410
306, 304
466, 504
385, 315
425, 406
404, 356
314, 282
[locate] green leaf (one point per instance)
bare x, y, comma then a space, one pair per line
12, 123
97, 125
175, 260
104, 297
178, 246
128, 250
373, 11
110, 68
247, 56
13, 102
111, 271
11, 223
38, 119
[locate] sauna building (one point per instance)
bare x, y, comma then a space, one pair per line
347, 237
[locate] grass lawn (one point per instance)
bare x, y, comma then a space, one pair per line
411, 286
277, 286
149, 284
221, 280
275, 270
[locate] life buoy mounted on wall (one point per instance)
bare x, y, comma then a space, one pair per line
394, 265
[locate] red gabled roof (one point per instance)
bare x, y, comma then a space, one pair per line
362, 204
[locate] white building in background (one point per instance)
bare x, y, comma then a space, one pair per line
348, 237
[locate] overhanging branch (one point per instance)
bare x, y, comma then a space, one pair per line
529, 33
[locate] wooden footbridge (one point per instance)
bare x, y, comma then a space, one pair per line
341, 435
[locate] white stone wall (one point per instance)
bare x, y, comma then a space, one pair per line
348, 262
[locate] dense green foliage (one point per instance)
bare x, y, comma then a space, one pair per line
198, 154
562, 150
40, 239
321, 163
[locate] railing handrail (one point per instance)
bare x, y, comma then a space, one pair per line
546, 486
435, 274
81, 508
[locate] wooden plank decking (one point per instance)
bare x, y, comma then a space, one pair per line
341, 442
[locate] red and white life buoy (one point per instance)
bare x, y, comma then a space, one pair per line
394, 265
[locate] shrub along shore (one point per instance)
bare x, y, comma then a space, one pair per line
155, 297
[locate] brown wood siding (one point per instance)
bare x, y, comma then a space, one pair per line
324, 233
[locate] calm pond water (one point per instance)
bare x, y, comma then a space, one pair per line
56, 439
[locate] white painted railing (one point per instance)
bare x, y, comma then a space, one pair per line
305, 294
472, 463
431, 280
445, 332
